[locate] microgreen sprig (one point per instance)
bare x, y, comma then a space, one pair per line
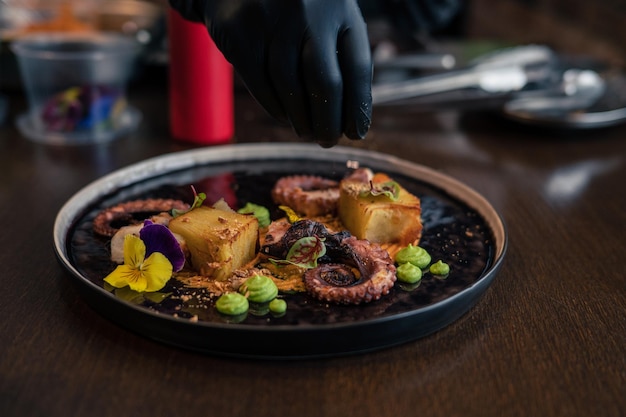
304, 253
198, 200
391, 189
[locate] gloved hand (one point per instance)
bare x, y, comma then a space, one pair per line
306, 62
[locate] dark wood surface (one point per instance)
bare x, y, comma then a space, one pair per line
547, 339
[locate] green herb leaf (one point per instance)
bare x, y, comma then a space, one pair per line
391, 189
304, 253
198, 200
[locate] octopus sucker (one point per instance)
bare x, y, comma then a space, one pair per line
308, 195
123, 213
376, 269
352, 271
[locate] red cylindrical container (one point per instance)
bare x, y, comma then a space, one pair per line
200, 85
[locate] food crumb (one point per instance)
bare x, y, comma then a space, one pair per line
352, 164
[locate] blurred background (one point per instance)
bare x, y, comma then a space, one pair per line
596, 28
142, 20
587, 30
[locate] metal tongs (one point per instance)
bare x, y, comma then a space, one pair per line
504, 71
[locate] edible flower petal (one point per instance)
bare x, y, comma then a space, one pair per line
292, 217
158, 238
138, 272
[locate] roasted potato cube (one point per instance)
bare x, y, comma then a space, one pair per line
219, 241
378, 218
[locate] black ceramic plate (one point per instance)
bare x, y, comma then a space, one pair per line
460, 227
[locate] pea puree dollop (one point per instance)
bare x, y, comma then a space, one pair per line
232, 304
259, 289
278, 306
261, 213
413, 254
440, 268
409, 273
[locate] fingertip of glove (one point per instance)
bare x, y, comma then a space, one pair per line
358, 129
327, 144
325, 138
359, 120
357, 134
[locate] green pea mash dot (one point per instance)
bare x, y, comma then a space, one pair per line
261, 213
232, 304
413, 254
440, 268
259, 289
278, 306
408, 273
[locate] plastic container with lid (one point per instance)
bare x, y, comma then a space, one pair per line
76, 86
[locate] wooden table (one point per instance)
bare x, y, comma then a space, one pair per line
547, 339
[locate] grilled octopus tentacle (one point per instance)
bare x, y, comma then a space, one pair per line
308, 195
353, 271
103, 222
341, 284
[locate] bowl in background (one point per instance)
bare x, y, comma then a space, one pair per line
76, 86
134, 18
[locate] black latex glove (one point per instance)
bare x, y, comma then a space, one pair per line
306, 62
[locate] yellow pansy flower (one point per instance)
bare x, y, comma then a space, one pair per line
138, 272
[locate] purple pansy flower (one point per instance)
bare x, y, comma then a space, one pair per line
159, 238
